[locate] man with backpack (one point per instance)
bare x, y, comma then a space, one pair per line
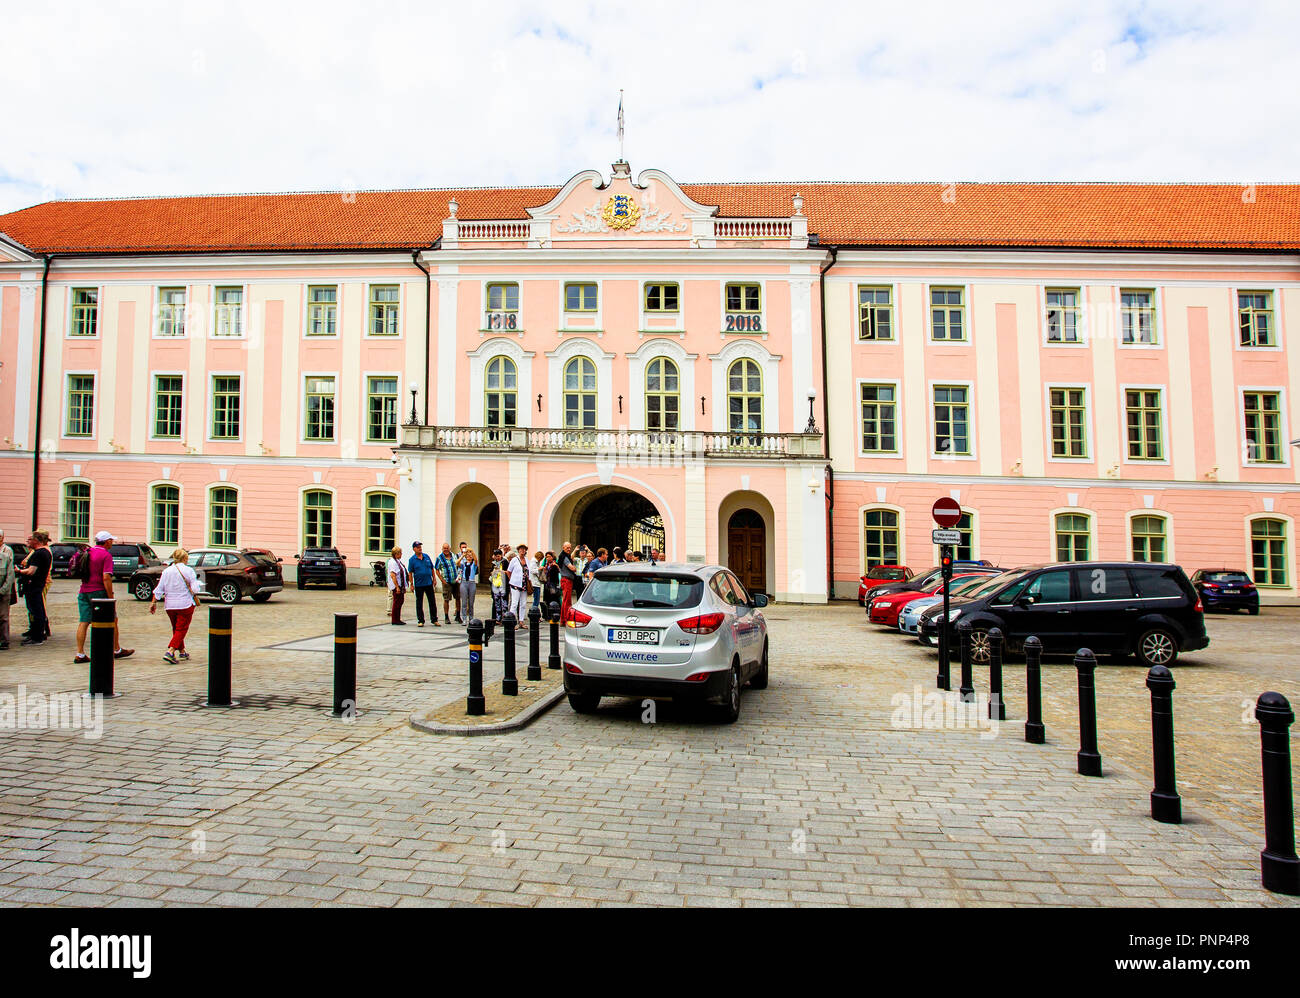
94, 567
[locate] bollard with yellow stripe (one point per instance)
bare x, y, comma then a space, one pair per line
220, 632
345, 666
475, 704
103, 612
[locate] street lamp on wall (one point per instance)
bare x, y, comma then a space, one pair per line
415, 419
812, 423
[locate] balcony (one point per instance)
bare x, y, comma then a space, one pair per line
612, 444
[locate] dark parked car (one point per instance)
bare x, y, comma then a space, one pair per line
227, 576
20, 551
926, 582
1120, 608
322, 565
129, 558
1226, 589
62, 555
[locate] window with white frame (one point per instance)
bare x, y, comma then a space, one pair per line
85, 312
322, 310
951, 420
1069, 422
81, 405
229, 308
384, 315
1062, 315
879, 419
875, 313
171, 311
1262, 412
1137, 316
948, 314
319, 424
1255, 318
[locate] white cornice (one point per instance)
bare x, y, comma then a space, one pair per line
224, 460
1118, 259
242, 261
972, 481
613, 254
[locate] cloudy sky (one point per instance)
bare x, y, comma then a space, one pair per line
114, 99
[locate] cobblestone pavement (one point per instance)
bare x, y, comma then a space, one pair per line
816, 796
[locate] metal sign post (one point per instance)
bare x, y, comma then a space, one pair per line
946, 513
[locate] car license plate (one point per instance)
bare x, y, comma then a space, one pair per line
1232, 592
634, 635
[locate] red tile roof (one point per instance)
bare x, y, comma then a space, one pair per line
1139, 216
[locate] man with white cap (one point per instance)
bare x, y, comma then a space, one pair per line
95, 569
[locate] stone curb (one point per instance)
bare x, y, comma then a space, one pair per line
520, 720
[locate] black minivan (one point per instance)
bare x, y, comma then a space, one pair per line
1113, 607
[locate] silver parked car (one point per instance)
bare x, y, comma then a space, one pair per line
688, 632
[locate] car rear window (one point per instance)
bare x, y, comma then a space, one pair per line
650, 590
262, 560
320, 553
125, 551
1158, 583
1097, 583
1226, 577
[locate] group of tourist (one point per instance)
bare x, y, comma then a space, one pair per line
515, 578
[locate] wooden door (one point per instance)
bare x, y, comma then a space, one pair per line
747, 549
489, 532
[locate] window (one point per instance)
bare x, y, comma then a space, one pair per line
500, 393
165, 514
951, 420
1149, 538
662, 395
229, 312
879, 419
502, 306
381, 410
1143, 418
1072, 537
1255, 318
75, 525
745, 401
381, 523
1154, 583
964, 550
225, 407
580, 394
1268, 552
171, 311
1097, 585
85, 311
1062, 315
661, 298
223, 516
320, 409
743, 308
880, 537
580, 298
322, 311
81, 405
168, 405
947, 314
383, 310
1069, 422
875, 314
317, 519
1137, 316
1263, 413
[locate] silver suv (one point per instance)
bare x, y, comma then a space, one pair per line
688, 632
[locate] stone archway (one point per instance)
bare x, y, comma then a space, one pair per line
474, 516
608, 516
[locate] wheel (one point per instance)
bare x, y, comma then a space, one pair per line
925, 639
141, 590
584, 703
1156, 647
342, 583
229, 593
730, 710
261, 597
979, 646
759, 682
1253, 611
302, 583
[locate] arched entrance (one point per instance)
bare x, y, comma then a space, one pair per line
747, 549
609, 516
475, 518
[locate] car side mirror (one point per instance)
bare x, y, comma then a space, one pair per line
297, 557
1024, 602
759, 600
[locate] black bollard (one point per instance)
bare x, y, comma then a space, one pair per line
474, 703
1035, 733
967, 683
220, 619
534, 645
943, 680
489, 629
1166, 805
1281, 868
997, 708
1089, 759
102, 614
553, 661
345, 665
509, 682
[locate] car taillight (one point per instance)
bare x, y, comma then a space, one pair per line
576, 618
572, 669
705, 623
1210, 585
1198, 607
697, 677
140, 559
1248, 585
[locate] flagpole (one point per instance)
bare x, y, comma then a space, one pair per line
620, 126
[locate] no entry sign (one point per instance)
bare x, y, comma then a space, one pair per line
946, 512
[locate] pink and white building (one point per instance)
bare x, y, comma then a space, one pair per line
779, 377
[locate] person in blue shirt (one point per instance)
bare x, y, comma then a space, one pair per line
421, 568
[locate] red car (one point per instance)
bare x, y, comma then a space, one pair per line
885, 609
879, 574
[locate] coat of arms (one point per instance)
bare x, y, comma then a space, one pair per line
620, 212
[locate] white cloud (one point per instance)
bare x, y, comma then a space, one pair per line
164, 98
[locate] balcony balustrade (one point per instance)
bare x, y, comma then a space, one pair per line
676, 444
